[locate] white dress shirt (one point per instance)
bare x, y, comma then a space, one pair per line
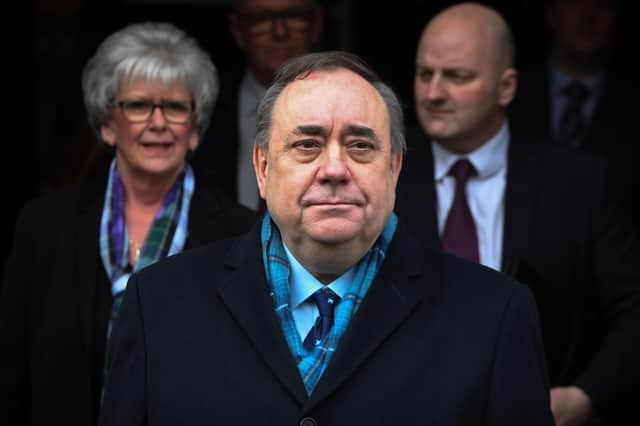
485, 192
250, 93
302, 285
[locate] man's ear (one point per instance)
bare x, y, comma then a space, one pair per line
396, 165
261, 167
508, 86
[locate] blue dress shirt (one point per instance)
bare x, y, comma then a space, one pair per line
303, 284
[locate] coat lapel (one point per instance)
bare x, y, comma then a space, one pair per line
416, 196
84, 275
86, 260
246, 295
203, 226
393, 295
521, 194
432, 236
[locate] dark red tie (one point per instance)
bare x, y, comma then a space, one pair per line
459, 236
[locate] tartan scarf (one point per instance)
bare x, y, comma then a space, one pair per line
166, 237
312, 364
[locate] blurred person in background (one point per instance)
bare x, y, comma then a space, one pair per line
539, 212
269, 32
149, 92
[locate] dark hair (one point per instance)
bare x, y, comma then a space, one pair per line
301, 66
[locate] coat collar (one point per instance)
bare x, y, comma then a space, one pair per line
85, 236
204, 214
246, 295
396, 292
416, 195
521, 195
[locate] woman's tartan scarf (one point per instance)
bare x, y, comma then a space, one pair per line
312, 364
166, 237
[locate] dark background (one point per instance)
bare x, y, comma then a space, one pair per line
49, 145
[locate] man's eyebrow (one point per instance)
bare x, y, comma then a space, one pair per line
362, 131
350, 130
309, 130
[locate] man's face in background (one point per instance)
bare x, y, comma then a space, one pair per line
273, 31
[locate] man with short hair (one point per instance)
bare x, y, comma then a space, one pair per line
537, 212
268, 32
328, 311
578, 93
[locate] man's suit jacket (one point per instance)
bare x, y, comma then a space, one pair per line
56, 302
612, 130
436, 340
608, 127
569, 244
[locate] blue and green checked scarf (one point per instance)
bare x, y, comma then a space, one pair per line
166, 237
312, 364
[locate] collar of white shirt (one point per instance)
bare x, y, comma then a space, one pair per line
488, 159
559, 80
251, 92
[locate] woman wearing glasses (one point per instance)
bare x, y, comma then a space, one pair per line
149, 92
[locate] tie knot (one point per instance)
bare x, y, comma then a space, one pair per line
576, 91
326, 300
462, 170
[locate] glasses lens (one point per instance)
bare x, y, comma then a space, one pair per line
176, 112
136, 110
141, 110
258, 24
294, 20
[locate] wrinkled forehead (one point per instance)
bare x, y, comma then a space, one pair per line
332, 98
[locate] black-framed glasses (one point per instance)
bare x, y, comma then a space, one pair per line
263, 22
141, 110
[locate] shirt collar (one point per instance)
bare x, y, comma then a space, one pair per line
559, 80
251, 92
488, 159
303, 284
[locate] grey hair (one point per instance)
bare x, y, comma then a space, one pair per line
300, 67
153, 51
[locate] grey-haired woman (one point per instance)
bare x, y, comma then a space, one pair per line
149, 91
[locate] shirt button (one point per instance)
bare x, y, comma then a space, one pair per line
308, 421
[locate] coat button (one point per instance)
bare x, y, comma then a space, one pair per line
308, 421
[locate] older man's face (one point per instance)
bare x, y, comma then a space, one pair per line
583, 27
274, 31
329, 175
